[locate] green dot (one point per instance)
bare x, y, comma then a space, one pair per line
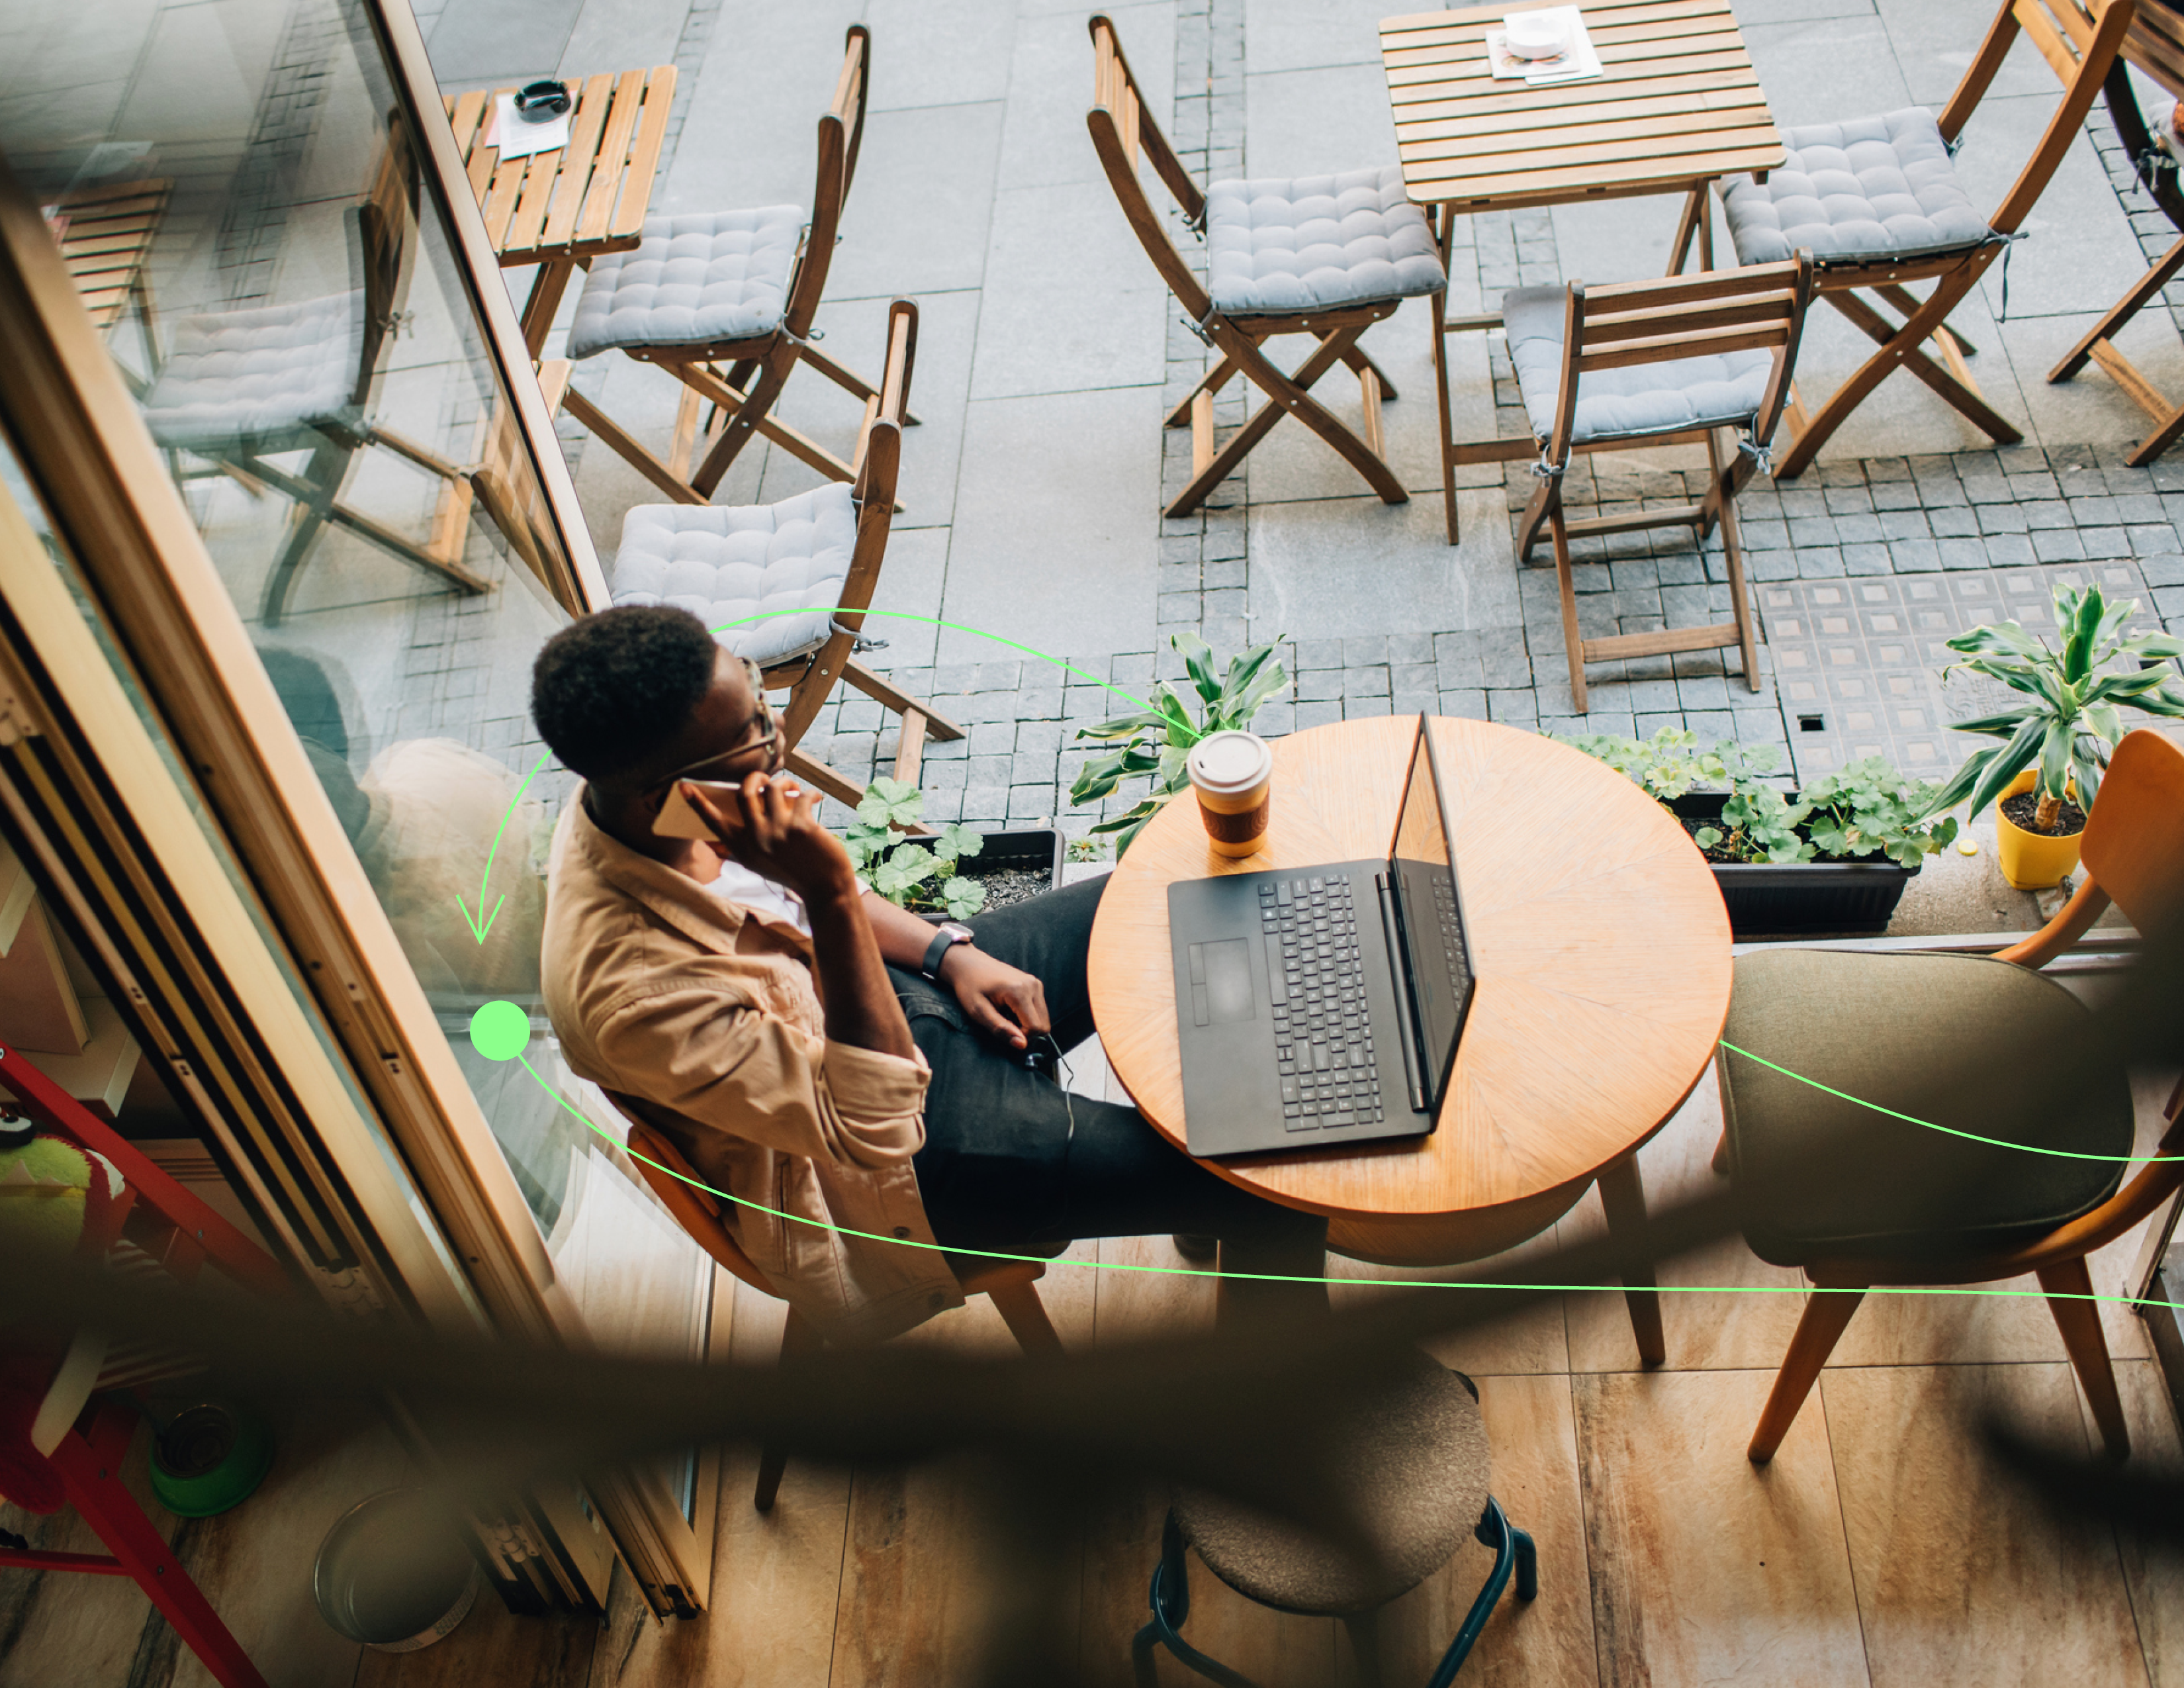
500, 1030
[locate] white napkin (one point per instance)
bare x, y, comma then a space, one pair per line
517, 139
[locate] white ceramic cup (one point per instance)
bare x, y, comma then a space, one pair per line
1535, 35
1234, 775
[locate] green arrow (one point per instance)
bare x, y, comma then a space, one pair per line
481, 923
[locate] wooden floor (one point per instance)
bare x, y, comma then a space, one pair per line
1877, 1548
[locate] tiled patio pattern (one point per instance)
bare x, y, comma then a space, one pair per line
1049, 353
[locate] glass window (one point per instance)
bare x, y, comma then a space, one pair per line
241, 201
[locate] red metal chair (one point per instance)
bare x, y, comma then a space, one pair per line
180, 1235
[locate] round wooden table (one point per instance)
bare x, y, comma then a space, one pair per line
1601, 948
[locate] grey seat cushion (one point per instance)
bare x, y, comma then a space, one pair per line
1410, 1457
242, 376
1875, 187
1275, 246
695, 280
724, 564
1721, 389
1944, 1038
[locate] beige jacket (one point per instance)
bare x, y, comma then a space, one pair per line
702, 1017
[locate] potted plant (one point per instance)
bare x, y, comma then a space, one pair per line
2046, 771
1835, 857
1156, 743
951, 873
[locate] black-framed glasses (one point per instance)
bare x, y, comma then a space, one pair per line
768, 732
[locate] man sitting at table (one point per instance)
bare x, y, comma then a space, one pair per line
814, 1050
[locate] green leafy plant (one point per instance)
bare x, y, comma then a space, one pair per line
1867, 810
2068, 725
1155, 743
1670, 763
1088, 849
919, 875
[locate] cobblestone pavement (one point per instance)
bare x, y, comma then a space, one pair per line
1034, 492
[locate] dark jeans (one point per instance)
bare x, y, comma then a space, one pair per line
1013, 1162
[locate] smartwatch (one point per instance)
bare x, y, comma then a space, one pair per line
949, 933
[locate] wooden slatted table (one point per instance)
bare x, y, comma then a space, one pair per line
105, 243
1678, 104
559, 209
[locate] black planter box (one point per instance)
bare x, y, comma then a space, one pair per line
1028, 850
1845, 897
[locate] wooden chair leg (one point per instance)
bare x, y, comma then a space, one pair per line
1566, 584
1623, 1195
2079, 1319
1216, 378
1955, 383
1732, 549
747, 406
2144, 292
314, 499
843, 377
1025, 1315
1827, 1314
881, 689
1898, 348
799, 1337
910, 747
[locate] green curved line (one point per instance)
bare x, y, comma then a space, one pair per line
1972, 1136
608, 1137
482, 925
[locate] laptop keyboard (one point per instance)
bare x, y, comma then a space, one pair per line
1323, 1034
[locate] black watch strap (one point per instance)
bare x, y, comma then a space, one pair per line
944, 940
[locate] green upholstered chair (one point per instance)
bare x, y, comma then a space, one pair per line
1416, 1462
1857, 1198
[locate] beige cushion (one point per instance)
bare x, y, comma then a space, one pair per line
1414, 1465
1944, 1038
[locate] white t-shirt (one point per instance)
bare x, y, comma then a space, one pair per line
738, 884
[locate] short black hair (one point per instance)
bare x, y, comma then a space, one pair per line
609, 691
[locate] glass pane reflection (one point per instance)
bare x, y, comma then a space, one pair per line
239, 198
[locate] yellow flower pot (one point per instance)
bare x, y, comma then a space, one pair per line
2032, 861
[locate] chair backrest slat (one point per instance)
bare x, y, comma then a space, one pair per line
879, 458
2133, 844
1122, 131
1759, 308
2080, 39
1666, 347
841, 129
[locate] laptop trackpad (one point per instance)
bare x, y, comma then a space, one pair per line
1220, 982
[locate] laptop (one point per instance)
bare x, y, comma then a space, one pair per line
1321, 1006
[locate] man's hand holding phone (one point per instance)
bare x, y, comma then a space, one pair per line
771, 825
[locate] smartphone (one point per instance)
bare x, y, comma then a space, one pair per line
678, 820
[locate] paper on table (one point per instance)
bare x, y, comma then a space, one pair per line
517, 139
1574, 64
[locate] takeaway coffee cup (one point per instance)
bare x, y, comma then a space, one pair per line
1233, 774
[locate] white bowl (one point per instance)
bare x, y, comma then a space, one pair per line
1535, 34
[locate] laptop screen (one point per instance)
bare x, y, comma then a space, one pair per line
1439, 960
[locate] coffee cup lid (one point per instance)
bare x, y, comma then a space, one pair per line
1227, 762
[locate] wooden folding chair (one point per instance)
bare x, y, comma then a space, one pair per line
1327, 255
170, 1229
1013, 1285
1877, 202
239, 388
2154, 43
739, 287
817, 553
1648, 364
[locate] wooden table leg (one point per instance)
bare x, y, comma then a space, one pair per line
1442, 219
1623, 1193
547, 288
